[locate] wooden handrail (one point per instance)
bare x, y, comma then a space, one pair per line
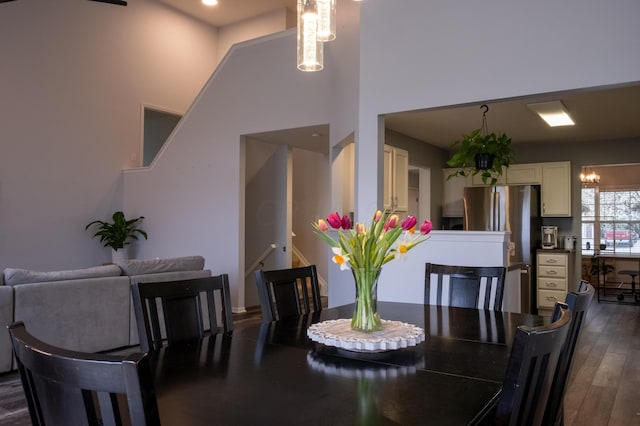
260, 259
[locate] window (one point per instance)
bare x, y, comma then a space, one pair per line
611, 220
158, 125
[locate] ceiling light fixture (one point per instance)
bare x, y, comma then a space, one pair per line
326, 20
553, 112
310, 49
210, 2
589, 178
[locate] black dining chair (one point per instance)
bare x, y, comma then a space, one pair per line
477, 287
530, 371
173, 310
578, 303
288, 292
65, 387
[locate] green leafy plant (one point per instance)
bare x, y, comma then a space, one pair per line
117, 234
477, 143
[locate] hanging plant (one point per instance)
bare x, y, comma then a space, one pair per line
481, 152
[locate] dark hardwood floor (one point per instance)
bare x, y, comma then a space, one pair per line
604, 386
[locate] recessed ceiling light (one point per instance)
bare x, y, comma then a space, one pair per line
316, 134
210, 2
553, 112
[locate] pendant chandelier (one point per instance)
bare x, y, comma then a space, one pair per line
316, 25
591, 178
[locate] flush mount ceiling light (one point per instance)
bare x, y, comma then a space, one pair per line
116, 2
553, 112
210, 2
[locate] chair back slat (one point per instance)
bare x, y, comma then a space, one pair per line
181, 315
288, 292
464, 286
68, 387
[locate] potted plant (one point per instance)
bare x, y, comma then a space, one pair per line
481, 152
117, 234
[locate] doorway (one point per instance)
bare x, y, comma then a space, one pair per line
287, 185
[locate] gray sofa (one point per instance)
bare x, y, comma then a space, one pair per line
88, 310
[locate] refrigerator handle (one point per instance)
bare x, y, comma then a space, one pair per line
495, 211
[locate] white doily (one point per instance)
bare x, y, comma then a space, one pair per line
338, 333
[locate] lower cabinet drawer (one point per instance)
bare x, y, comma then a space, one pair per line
548, 298
552, 283
552, 271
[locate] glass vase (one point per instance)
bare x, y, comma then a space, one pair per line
365, 314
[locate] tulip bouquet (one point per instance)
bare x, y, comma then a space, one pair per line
384, 240
365, 249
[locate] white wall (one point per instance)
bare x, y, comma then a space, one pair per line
423, 54
73, 75
269, 23
195, 189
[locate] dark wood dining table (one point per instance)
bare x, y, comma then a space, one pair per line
274, 374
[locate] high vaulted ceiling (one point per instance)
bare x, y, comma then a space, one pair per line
603, 114
229, 11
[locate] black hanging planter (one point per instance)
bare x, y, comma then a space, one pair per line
484, 161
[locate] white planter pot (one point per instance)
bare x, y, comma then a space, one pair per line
120, 255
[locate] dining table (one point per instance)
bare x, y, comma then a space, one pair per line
272, 373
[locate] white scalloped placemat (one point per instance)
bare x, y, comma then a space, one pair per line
338, 333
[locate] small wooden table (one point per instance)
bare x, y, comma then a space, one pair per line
633, 274
274, 374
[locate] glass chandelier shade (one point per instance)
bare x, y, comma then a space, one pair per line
310, 48
589, 178
326, 20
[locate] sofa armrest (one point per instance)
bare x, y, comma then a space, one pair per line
6, 318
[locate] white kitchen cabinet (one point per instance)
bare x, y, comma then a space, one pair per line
453, 193
556, 189
396, 179
554, 278
524, 174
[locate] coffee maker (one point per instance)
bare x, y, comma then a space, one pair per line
549, 237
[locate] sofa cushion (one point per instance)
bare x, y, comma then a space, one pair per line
13, 276
153, 266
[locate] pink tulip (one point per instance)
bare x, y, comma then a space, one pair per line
377, 216
359, 228
322, 225
334, 220
392, 222
346, 222
426, 227
409, 223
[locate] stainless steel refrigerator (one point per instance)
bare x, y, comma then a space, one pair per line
516, 209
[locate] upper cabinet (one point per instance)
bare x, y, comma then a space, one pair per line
554, 179
555, 189
524, 174
396, 179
